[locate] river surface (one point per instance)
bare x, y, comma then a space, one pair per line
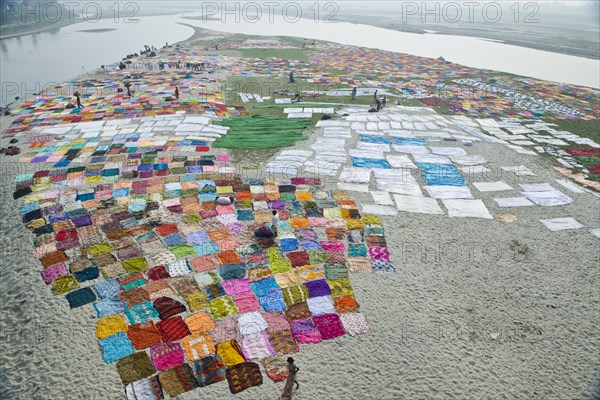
34, 62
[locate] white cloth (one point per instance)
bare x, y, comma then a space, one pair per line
320, 305
548, 198
252, 322
449, 151
407, 188
355, 175
559, 224
431, 158
417, 204
400, 161
536, 187
449, 192
570, 186
378, 209
381, 197
492, 186
353, 187
467, 208
513, 202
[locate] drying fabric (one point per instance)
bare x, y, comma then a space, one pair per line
243, 376
172, 329
449, 192
379, 209
168, 307
226, 329
492, 186
135, 367
222, 307
299, 310
320, 305
466, 208
166, 355
513, 202
272, 301
341, 287
178, 380
141, 312
294, 294
109, 306
382, 197
276, 367
251, 323
354, 323
362, 162
115, 347
199, 323
283, 342
345, 304
256, 345
109, 325
383, 266
80, 297
355, 175
305, 331
417, 204
143, 335
548, 198
209, 370
559, 224
197, 346
329, 326
405, 188
336, 271
144, 389
230, 352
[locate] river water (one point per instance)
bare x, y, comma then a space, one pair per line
34, 62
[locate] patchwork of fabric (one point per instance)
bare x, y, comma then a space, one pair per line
184, 292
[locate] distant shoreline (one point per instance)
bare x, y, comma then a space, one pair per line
407, 28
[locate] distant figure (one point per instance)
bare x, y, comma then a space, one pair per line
354, 90
375, 97
275, 223
297, 98
383, 101
78, 97
378, 104
292, 80
313, 43
224, 201
176, 92
128, 91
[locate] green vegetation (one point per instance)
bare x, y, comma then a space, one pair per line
584, 128
286, 54
261, 132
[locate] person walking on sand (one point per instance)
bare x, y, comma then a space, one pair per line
275, 223
378, 104
383, 101
292, 80
291, 379
354, 90
375, 97
176, 92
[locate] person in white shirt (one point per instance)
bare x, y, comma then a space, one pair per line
275, 223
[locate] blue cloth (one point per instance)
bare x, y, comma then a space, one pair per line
288, 244
109, 306
141, 312
311, 245
264, 286
375, 139
232, 271
174, 239
272, 301
115, 347
207, 248
80, 297
245, 215
87, 274
410, 142
361, 162
198, 238
436, 168
444, 180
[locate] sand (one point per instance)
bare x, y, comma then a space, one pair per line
465, 317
